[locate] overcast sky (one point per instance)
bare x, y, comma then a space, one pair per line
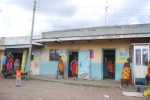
16, 15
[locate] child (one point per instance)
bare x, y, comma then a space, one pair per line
18, 77
18, 72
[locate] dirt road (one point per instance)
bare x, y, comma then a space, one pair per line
42, 90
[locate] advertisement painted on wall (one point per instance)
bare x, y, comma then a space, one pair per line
122, 56
63, 55
36, 55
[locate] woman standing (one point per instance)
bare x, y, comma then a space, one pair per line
148, 73
8, 64
60, 69
126, 75
74, 67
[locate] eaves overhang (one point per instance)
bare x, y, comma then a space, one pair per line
98, 37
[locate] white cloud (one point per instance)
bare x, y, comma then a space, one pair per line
16, 15
15, 21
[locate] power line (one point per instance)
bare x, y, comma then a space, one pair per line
98, 14
104, 8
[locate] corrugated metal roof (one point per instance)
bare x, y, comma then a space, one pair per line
93, 31
19, 40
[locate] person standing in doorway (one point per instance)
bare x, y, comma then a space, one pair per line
17, 64
74, 67
60, 69
110, 68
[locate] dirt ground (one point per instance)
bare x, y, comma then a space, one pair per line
42, 90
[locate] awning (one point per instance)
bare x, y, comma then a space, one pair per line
18, 46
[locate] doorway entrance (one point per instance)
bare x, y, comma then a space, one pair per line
109, 60
71, 57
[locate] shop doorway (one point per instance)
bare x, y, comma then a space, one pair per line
108, 54
17, 55
71, 57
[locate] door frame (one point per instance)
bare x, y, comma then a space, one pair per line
140, 46
69, 59
103, 59
82, 60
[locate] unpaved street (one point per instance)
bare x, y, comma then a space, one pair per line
42, 90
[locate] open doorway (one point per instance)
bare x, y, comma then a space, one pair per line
109, 60
18, 55
71, 57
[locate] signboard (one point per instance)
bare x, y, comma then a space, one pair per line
122, 56
63, 55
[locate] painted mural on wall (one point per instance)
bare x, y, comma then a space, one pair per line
23, 65
36, 55
122, 56
63, 55
36, 64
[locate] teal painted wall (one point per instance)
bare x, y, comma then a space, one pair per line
49, 68
118, 71
96, 70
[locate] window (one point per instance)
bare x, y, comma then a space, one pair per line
54, 55
145, 57
138, 56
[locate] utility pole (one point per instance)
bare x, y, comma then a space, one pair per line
106, 12
30, 49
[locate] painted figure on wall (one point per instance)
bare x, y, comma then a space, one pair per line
148, 73
74, 67
110, 68
60, 69
126, 74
